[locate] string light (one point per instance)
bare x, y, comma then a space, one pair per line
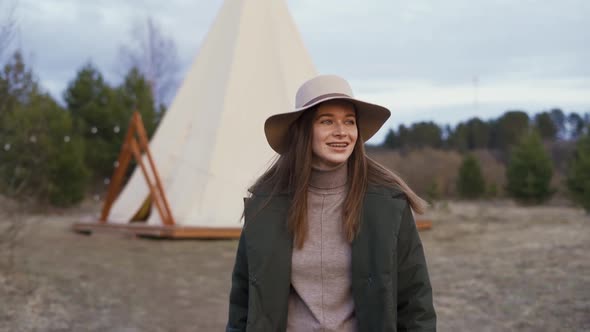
107, 181
116, 129
33, 139
67, 139
6, 146
116, 164
94, 130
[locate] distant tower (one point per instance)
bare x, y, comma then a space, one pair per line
475, 94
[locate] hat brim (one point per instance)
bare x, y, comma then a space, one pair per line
370, 118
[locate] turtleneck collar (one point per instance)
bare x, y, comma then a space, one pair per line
331, 180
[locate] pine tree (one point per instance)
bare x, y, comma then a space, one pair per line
578, 178
470, 183
99, 117
101, 114
17, 85
390, 140
529, 171
40, 157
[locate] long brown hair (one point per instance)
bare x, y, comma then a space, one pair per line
291, 173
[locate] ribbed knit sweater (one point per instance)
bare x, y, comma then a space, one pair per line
321, 293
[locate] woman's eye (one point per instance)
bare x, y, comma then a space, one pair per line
350, 122
327, 122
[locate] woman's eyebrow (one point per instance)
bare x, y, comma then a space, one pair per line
325, 115
350, 114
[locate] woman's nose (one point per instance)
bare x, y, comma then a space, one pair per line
339, 130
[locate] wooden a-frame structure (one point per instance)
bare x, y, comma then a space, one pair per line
135, 144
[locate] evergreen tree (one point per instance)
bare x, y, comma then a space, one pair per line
578, 178
100, 117
36, 161
17, 85
479, 134
470, 182
507, 130
424, 134
403, 136
470, 135
529, 171
545, 125
101, 114
390, 140
458, 138
576, 124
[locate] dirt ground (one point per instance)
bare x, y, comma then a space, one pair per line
494, 267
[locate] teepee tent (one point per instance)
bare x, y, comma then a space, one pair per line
210, 145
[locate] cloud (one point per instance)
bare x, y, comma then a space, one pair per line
415, 56
60, 36
444, 40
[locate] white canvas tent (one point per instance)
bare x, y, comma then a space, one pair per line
210, 145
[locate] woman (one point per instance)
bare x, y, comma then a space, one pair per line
329, 242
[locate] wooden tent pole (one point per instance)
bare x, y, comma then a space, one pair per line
117, 178
131, 148
144, 145
153, 190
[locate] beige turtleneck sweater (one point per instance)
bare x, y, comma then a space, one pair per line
321, 293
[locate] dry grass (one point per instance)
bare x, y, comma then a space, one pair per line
494, 267
423, 167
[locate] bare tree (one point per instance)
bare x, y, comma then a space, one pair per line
155, 55
7, 24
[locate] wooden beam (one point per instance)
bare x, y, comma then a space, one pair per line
171, 232
156, 198
117, 178
131, 148
144, 145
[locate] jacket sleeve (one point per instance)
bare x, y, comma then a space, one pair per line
238, 298
415, 309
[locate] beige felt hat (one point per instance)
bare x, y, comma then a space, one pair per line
370, 117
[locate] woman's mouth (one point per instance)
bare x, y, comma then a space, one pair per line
337, 145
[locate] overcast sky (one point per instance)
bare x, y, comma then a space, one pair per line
422, 59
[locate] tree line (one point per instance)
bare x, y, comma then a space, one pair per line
58, 151
521, 143
55, 153
497, 134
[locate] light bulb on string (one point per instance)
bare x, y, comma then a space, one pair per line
67, 139
7, 147
107, 180
116, 129
94, 130
116, 164
33, 139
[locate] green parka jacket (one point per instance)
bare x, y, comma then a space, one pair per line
390, 283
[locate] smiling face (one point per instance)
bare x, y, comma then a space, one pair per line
334, 134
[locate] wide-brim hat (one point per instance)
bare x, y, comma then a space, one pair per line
370, 117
